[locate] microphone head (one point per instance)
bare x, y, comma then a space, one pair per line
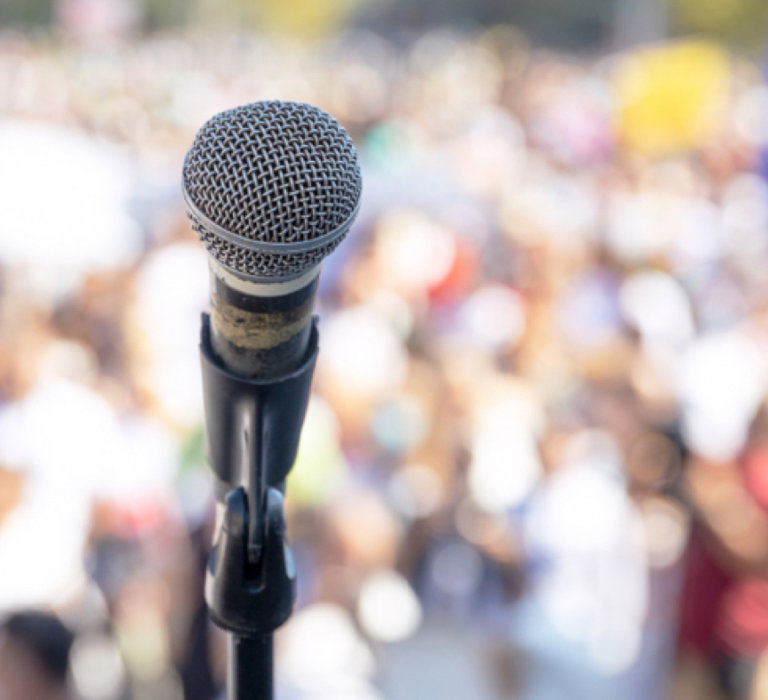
271, 188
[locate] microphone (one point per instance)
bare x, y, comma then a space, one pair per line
271, 188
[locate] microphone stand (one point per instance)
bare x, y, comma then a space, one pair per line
252, 431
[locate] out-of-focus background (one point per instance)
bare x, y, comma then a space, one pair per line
535, 463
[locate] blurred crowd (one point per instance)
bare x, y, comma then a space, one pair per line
535, 461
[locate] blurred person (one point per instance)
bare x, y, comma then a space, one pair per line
161, 328
34, 657
11, 484
580, 624
93, 316
725, 611
97, 23
59, 435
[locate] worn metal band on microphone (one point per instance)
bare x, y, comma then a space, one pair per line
322, 244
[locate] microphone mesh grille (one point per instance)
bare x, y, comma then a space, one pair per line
273, 172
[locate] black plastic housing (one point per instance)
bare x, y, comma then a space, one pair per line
253, 428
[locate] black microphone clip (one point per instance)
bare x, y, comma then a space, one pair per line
252, 430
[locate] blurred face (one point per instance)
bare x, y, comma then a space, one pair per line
21, 677
10, 491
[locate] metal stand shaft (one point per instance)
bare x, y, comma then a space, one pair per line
249, 667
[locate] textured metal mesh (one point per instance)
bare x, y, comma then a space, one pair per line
274, 172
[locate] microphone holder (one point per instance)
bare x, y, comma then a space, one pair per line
252, 430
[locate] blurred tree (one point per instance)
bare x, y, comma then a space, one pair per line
640, 21
740, 23
560, 23
26, 12
566, 24
165, 14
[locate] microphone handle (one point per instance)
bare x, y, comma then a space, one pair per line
261, 330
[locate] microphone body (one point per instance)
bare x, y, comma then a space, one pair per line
261, 330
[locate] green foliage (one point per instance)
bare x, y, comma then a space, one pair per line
192, 453
165, 14
26, 12
740, 23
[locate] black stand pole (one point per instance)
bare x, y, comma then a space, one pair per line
252, 430
249, 667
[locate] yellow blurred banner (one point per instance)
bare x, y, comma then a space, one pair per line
300, 19
672, 97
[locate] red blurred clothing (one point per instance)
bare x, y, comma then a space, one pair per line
727, 612
742, 624
703, 592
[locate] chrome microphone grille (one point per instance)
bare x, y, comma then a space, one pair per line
271, 187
